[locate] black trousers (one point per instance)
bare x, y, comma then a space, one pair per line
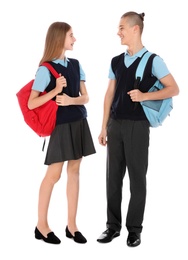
127, 148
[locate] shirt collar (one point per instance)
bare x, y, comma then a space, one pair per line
138, 54
62, 62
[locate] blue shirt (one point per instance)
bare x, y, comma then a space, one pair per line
159, 68
42, 77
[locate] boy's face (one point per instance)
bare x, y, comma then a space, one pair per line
125, 31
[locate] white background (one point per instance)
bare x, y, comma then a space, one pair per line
23, 27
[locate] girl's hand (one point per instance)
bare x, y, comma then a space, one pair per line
60, 83
63, 100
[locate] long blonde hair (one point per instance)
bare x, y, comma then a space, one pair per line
55, 39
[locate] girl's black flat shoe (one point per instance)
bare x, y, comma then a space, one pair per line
78, 237
51, 237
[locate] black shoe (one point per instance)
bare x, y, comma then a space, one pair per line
108, 235
133, 239
78, 237
51, 237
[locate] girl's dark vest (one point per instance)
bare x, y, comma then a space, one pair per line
66, 114
122, 106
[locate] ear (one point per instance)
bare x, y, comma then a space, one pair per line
136, 28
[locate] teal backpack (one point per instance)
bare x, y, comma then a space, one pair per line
156, 111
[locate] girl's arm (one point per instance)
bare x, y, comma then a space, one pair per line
65, 100
35, 100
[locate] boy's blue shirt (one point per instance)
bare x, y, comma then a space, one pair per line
159, 68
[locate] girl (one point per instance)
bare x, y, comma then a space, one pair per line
71, 138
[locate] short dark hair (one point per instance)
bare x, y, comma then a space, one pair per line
135, 19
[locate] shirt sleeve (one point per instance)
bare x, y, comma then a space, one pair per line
82, 74
111, 74
42, 79
159, 68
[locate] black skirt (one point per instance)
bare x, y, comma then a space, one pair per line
70, 141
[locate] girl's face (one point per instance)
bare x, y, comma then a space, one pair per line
69, 40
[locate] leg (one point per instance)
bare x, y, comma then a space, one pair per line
73, 168
116, 166
52, 176
137, 161
115, 171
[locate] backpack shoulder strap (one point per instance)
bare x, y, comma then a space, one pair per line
52, 70
56, 75
142, 65
140, 71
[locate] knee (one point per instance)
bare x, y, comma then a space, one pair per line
53, 173
73, 168
53, 179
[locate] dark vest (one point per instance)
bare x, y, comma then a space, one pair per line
66, 114
122, 106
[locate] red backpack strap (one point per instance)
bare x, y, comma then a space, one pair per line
53, 71
56, 75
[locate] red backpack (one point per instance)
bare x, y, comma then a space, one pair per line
41, 119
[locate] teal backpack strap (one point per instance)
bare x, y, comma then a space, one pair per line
142, 64
140, 71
